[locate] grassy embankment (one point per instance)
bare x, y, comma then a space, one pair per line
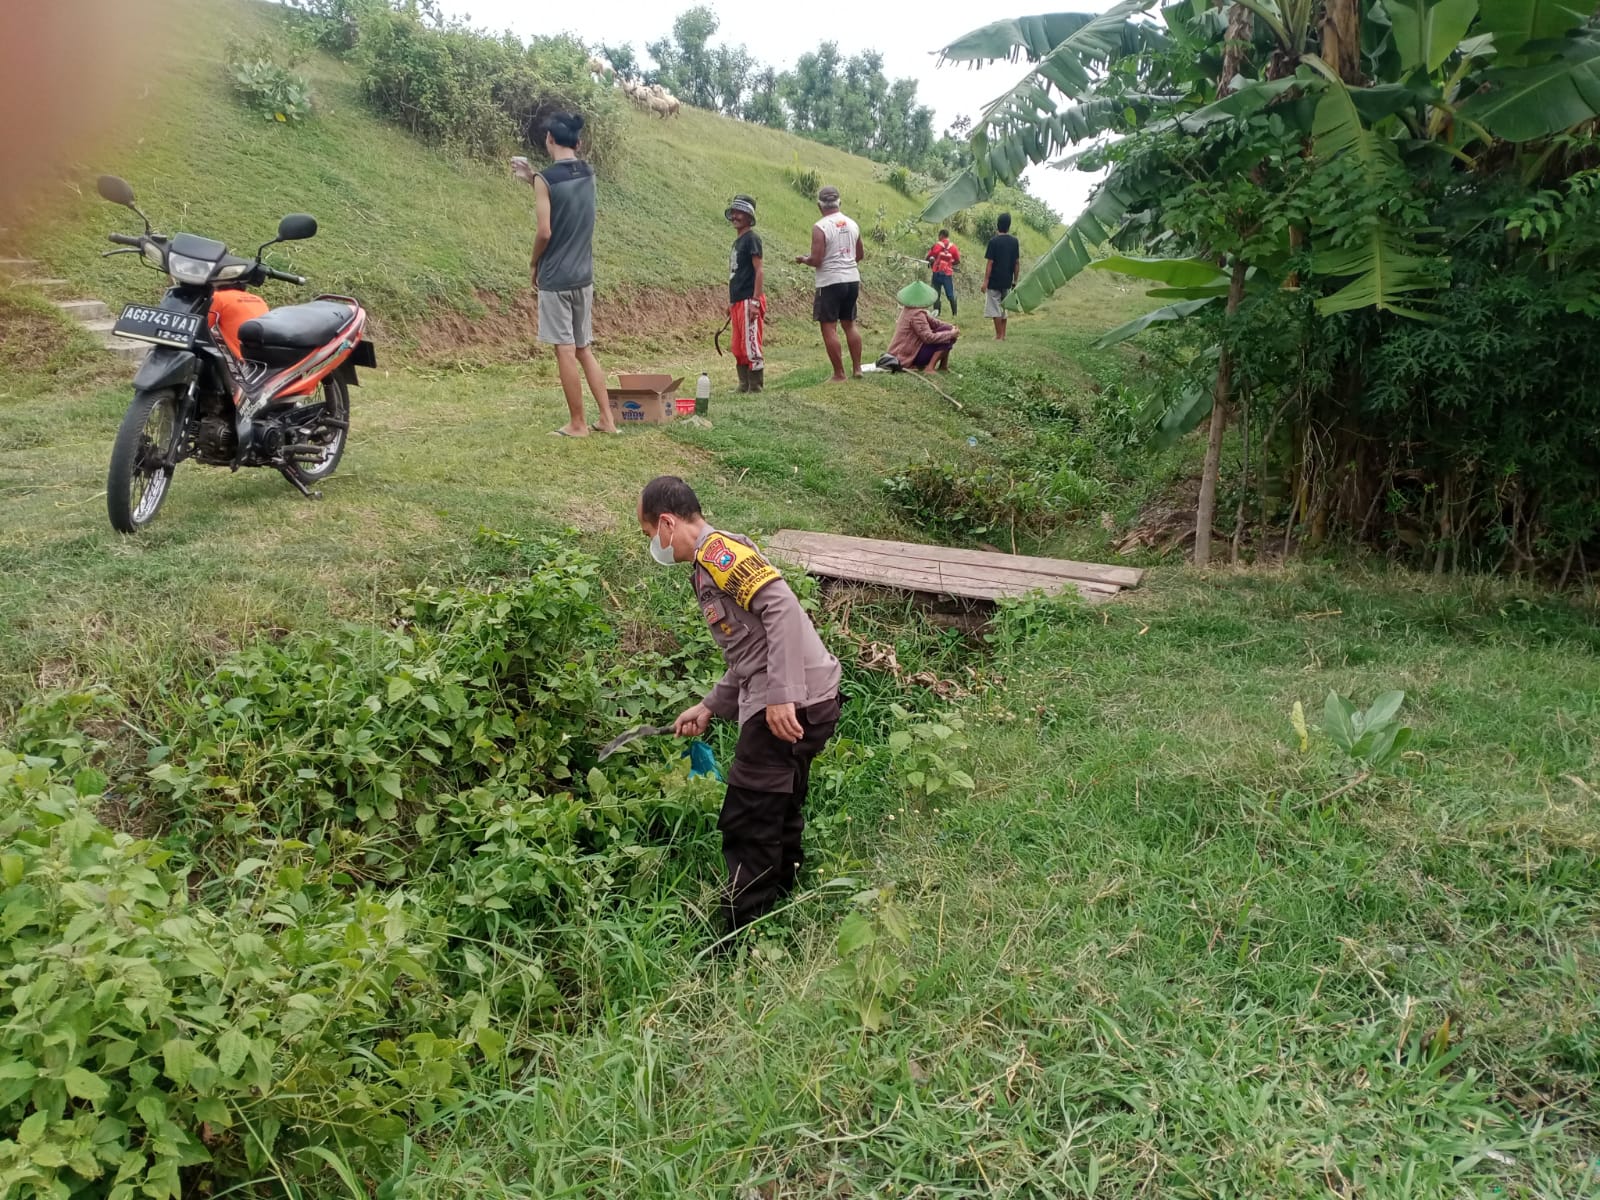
1159, 952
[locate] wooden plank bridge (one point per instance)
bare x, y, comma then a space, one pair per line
943, 570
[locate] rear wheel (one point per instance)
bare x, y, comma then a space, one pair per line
142, 460
328, 434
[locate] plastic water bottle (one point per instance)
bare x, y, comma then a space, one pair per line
702, 395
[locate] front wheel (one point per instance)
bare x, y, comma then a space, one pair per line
142, 460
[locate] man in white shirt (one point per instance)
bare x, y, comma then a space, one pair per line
836, 252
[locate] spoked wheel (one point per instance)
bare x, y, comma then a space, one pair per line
142, 460
328, 434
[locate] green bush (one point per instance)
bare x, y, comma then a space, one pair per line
385, 847
482, 96
804, 180
989, 501
144, 1036
1035, 213
265, 80
333, 24
902, 181
455, 749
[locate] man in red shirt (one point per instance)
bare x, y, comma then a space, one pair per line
944, 258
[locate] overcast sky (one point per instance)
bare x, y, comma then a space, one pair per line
905, 34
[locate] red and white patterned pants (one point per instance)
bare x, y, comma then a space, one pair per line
749, 327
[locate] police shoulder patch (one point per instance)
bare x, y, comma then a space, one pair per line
736, 568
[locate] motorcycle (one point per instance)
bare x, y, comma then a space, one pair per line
229, 381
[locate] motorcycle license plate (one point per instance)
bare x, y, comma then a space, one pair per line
144, 324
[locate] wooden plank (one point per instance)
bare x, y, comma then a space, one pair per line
953, 575
965, 582
931, 574
1060, 568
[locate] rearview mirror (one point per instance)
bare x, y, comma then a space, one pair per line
118, 191
297, 227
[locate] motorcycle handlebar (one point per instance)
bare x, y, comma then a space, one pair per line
122, 239
283, 275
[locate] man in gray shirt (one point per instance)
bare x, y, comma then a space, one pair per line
781, 685
563, 268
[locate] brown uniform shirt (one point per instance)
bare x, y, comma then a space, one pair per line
773, 653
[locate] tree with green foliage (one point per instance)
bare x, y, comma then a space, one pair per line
623, 59
685, 63
1336, 170
763, 104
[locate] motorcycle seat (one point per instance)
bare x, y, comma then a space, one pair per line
297, 326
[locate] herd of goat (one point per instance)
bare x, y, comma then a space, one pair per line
651, 97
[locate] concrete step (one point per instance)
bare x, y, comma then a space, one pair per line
46, 285
133, 352
15, 266
101, 325
84, 310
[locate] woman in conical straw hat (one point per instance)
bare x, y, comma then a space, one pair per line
921, 342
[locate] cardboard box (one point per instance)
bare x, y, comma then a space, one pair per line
645, 399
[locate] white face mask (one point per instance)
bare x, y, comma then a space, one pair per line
662, 554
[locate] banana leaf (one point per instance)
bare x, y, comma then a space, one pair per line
1036, 38
965, 190
1174, 272
1075, 250
1170, 312
1385, 268
1515, 23
1522, 104
1427, 34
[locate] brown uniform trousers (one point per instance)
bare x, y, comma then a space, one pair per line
762, 815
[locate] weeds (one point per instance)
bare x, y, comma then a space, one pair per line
922, 754
804, 180
902, 181
1374, 739
988, 501
871, 977
264, 78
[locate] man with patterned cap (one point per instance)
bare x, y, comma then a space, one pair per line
747, 299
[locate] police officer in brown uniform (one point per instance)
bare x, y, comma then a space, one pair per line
781, 685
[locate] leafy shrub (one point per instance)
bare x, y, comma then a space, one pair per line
977, 503
902, 181
879, 232
920, 750
870, 978
985, 222
960, 222
476, 94
143, 1035
1374, 738
804, 180
1036, 214
264, 78
386, 845
333, 24
454, 749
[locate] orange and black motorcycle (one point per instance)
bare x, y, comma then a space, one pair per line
229, 381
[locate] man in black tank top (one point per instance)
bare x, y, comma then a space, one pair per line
563, 269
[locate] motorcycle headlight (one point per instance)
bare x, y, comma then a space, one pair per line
184, 269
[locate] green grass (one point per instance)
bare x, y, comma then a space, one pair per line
1159, 952
409, 231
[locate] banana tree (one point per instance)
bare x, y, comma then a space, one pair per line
1373, 93
1448, 77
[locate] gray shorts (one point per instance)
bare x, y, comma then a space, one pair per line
994, 303
567, 318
